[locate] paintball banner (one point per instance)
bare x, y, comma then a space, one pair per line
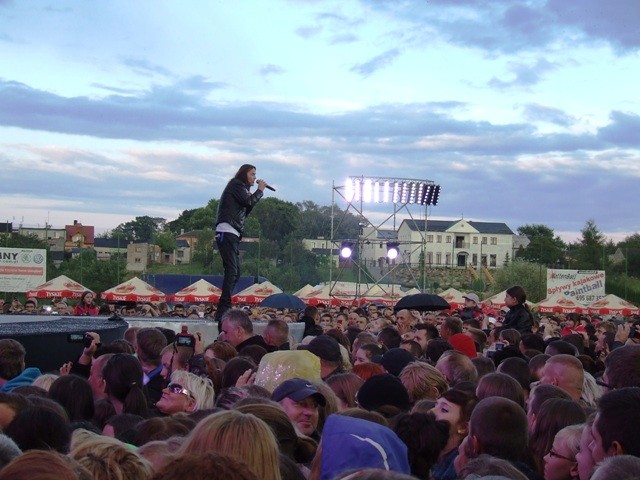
583, 286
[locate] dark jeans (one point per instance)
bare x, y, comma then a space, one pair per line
228, 248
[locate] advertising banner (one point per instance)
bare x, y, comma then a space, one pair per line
582, 286
22, 269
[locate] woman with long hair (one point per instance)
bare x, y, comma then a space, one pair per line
519, 315
86, 305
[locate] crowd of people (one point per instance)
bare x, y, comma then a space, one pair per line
369, 393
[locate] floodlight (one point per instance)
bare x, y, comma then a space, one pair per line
348, 189
366, 190
346, 249
436, 194
392, 250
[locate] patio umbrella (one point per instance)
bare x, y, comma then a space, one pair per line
134, 290
61, 286
283, 300
200, 291
423, 302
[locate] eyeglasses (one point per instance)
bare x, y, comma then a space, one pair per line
557, 455
177, 388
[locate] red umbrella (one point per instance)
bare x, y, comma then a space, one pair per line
134, 290
200, 291
59, 287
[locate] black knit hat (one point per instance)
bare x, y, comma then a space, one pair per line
381, 390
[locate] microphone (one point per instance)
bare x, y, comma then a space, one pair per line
269, 187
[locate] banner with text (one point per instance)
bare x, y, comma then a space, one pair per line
582, 286
22, 269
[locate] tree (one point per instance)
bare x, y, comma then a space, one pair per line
630, 248
166, 241
203, 253
278, 219
532, 277
97, 275
139, 229
591, 253
544, 246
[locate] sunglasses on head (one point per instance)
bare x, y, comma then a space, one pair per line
177, 388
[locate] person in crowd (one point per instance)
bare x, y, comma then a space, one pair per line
500, 385
389, 337
159, 428
484, 366
96, 380
10, 405
175, 357
621, 467
311, 319
41, 427
276, 335
75, 395
456, 367
553, 416
395, 360
327, 349
13, 373
560, 461
616, 428
471, 309
367, 352
539, 394
107, 458
236, 202
206, 466
43, 465
518, 369
519, 316
423, 381
404, 321
345, 386
384, 394
300, 400
456, 407
435, 349
423, 333
566, 372
583, 456
367, 370
86, 305
352, 443
488, 466
498, 427
148, 345
241, 436
186, 393
123, 376
622, 368
221, 350
237, 329
425, 438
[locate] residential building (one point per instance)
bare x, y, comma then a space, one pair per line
141, 255
78, 236
109, 248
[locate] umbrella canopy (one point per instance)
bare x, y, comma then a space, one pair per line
336, 294
200, 291
255, 293
283, 300
304, 290
134, 290
497, 300
387, 296
612, 305
423, 302
453, 297
61, 286
560, 304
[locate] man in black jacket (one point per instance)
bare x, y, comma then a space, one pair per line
236, 203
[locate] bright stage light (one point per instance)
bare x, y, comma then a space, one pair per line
392, 250
385, 190
346, 249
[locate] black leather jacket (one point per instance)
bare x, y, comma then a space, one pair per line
519, 318
236, 203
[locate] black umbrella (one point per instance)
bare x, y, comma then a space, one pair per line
423, 302
283, 300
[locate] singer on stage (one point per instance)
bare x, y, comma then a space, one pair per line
236, 203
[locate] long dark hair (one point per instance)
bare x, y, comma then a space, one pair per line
123, 377
242, 172
520, 295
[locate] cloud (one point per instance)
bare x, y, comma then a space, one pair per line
376, 63
309, 31
524, 75
623, 130
270, 69
540, 113
146, 68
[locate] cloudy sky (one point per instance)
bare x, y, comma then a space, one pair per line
524, 111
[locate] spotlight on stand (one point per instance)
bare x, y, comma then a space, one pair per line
392, 250
346, 249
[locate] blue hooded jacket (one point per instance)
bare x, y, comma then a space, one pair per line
27, 377
352, 443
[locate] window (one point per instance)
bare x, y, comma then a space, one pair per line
475, 240
492, 260
474, 260
439, 238
138, 249
430, 238
484, 240
438, 258
494, 240
448, 259
137, 260
429, 258
448, 238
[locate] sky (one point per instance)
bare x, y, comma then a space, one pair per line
523, 111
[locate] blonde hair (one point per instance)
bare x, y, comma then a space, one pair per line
42, 465
241, 436
569, 437
201, 388
45, 381
423, 381
107, 458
